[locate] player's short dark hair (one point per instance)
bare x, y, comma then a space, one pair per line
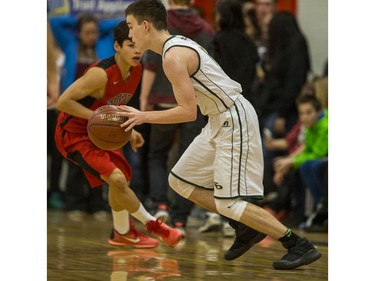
150, 10
121, 32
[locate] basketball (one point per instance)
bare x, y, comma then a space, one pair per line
104, 128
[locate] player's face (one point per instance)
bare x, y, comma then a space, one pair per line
136, 32
307, 114
130, 53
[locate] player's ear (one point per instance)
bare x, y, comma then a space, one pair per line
146, 25
117, 46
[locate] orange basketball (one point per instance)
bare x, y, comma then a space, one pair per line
104, 128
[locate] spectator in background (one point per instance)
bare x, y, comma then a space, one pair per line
265, 10
252, 27
290, 191
279, 191
157, 94
237, 55
247, 5
321, 90
55, 198
318, 221
233, 50
315, 149
289, 65
84, 40
253, 30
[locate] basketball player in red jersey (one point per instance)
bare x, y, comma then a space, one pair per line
111, 81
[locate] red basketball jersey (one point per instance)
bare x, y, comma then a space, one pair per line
117, 92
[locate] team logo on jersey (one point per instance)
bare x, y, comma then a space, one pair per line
226, 124
121, 98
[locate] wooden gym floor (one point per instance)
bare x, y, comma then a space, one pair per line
78, 251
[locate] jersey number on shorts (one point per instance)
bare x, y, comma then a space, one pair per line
218, 186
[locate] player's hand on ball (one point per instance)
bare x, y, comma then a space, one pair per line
135, 116
136, 140
103, 128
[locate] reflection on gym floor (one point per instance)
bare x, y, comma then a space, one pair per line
79, 251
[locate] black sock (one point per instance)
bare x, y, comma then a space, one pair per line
289, 238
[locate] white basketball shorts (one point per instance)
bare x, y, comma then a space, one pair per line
227, 155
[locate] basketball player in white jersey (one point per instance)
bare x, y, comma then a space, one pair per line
224, 163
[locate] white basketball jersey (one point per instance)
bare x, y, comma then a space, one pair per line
215, 91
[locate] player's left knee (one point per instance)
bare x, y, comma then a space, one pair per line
231, 208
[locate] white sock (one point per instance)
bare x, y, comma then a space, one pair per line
142, 215
121, 221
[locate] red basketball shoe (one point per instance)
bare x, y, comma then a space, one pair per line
132, 238
170, 236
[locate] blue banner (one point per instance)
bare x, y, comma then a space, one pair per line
101, 8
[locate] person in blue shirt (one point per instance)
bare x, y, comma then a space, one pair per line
78, 34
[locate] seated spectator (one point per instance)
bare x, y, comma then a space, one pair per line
315, 149
281, 146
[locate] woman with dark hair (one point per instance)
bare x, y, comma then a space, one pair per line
288, 68
252, 27
233, 50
